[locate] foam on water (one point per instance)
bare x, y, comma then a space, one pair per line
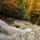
8, 28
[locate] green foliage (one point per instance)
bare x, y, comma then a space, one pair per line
23, 13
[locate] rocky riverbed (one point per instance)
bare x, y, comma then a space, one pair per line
19, 30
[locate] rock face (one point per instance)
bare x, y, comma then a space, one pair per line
4, 36
18, 33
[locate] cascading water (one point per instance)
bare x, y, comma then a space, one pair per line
13, 31
7, 27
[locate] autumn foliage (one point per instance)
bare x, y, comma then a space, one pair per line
24, 9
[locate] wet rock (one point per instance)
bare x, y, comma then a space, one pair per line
3, 36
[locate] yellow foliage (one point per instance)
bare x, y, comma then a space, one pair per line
32, 5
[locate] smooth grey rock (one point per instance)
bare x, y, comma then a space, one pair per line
3, 36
